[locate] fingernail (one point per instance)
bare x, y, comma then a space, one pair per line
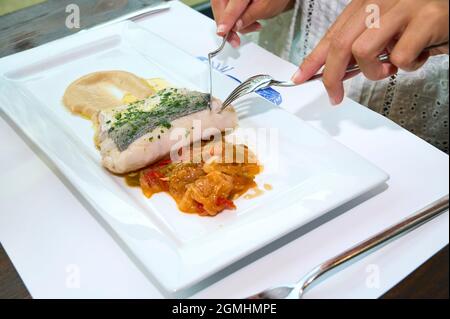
239, 25
234, 43
333, 101
297, 76
221, 29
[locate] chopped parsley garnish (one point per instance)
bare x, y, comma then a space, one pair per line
160, 110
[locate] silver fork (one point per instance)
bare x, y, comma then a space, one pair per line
210, 57
259, 82
297, 291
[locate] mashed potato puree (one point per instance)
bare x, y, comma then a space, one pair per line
103, 90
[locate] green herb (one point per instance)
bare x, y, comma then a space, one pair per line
160, 110
165, 123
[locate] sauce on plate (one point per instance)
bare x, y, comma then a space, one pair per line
206, 188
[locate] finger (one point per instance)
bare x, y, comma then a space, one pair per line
340, 52
234, 39
255, 11
258, 10
373, 42
408, 54
316, 59
218, 7
340, 55
311, 64
233, 10
252, 28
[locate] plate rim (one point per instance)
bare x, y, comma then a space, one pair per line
187, 283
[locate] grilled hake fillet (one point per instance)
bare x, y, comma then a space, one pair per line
134, 136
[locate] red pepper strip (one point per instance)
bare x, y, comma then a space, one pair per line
153, 178
201, 209
165, 162
153, 175
226, 203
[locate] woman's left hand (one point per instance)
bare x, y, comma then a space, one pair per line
405, 28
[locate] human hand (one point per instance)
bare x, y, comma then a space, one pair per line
406, 28
242, 15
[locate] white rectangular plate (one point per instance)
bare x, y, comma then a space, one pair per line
310, 173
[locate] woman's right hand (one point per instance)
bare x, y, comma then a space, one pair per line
242, 15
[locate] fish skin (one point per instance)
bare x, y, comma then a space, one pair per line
147, 148
153, 115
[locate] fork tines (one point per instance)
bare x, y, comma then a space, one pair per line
241, 90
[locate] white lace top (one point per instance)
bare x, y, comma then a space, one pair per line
417, 101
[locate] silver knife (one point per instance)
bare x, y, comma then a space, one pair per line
136, 15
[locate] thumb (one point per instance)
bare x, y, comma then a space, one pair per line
233, 11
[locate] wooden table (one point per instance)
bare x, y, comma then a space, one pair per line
429, 281
49, 20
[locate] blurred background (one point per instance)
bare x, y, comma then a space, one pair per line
8, 6
25, 24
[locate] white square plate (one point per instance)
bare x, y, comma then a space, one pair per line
310, 173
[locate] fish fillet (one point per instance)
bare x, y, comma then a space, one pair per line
133, 136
